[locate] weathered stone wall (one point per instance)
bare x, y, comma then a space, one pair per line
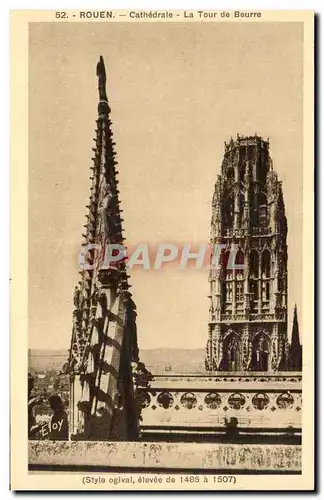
198, 456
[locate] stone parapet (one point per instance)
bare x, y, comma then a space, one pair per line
256, 401
196, 457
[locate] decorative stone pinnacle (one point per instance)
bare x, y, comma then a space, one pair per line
101, 74
103, 106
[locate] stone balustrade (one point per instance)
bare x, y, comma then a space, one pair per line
269, 402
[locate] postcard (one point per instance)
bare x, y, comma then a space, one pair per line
162, 241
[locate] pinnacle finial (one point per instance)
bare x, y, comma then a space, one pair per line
101, 74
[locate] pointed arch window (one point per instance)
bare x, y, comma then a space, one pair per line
226, 263
229, 211
225, 259
262, 171
239, 258
241, 206
254, 264
239, 261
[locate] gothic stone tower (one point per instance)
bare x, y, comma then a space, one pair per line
248, 306
104, 339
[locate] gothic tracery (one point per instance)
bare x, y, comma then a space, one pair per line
248, 211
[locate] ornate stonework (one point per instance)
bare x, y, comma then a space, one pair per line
104, 337
248, 312
203, 404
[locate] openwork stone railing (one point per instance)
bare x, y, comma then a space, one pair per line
256, 401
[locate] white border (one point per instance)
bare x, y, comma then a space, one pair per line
4, 185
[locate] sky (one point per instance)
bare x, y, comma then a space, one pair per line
177, 92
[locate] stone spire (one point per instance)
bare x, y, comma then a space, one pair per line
247, 328
103, 227
104, 337
295, 347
